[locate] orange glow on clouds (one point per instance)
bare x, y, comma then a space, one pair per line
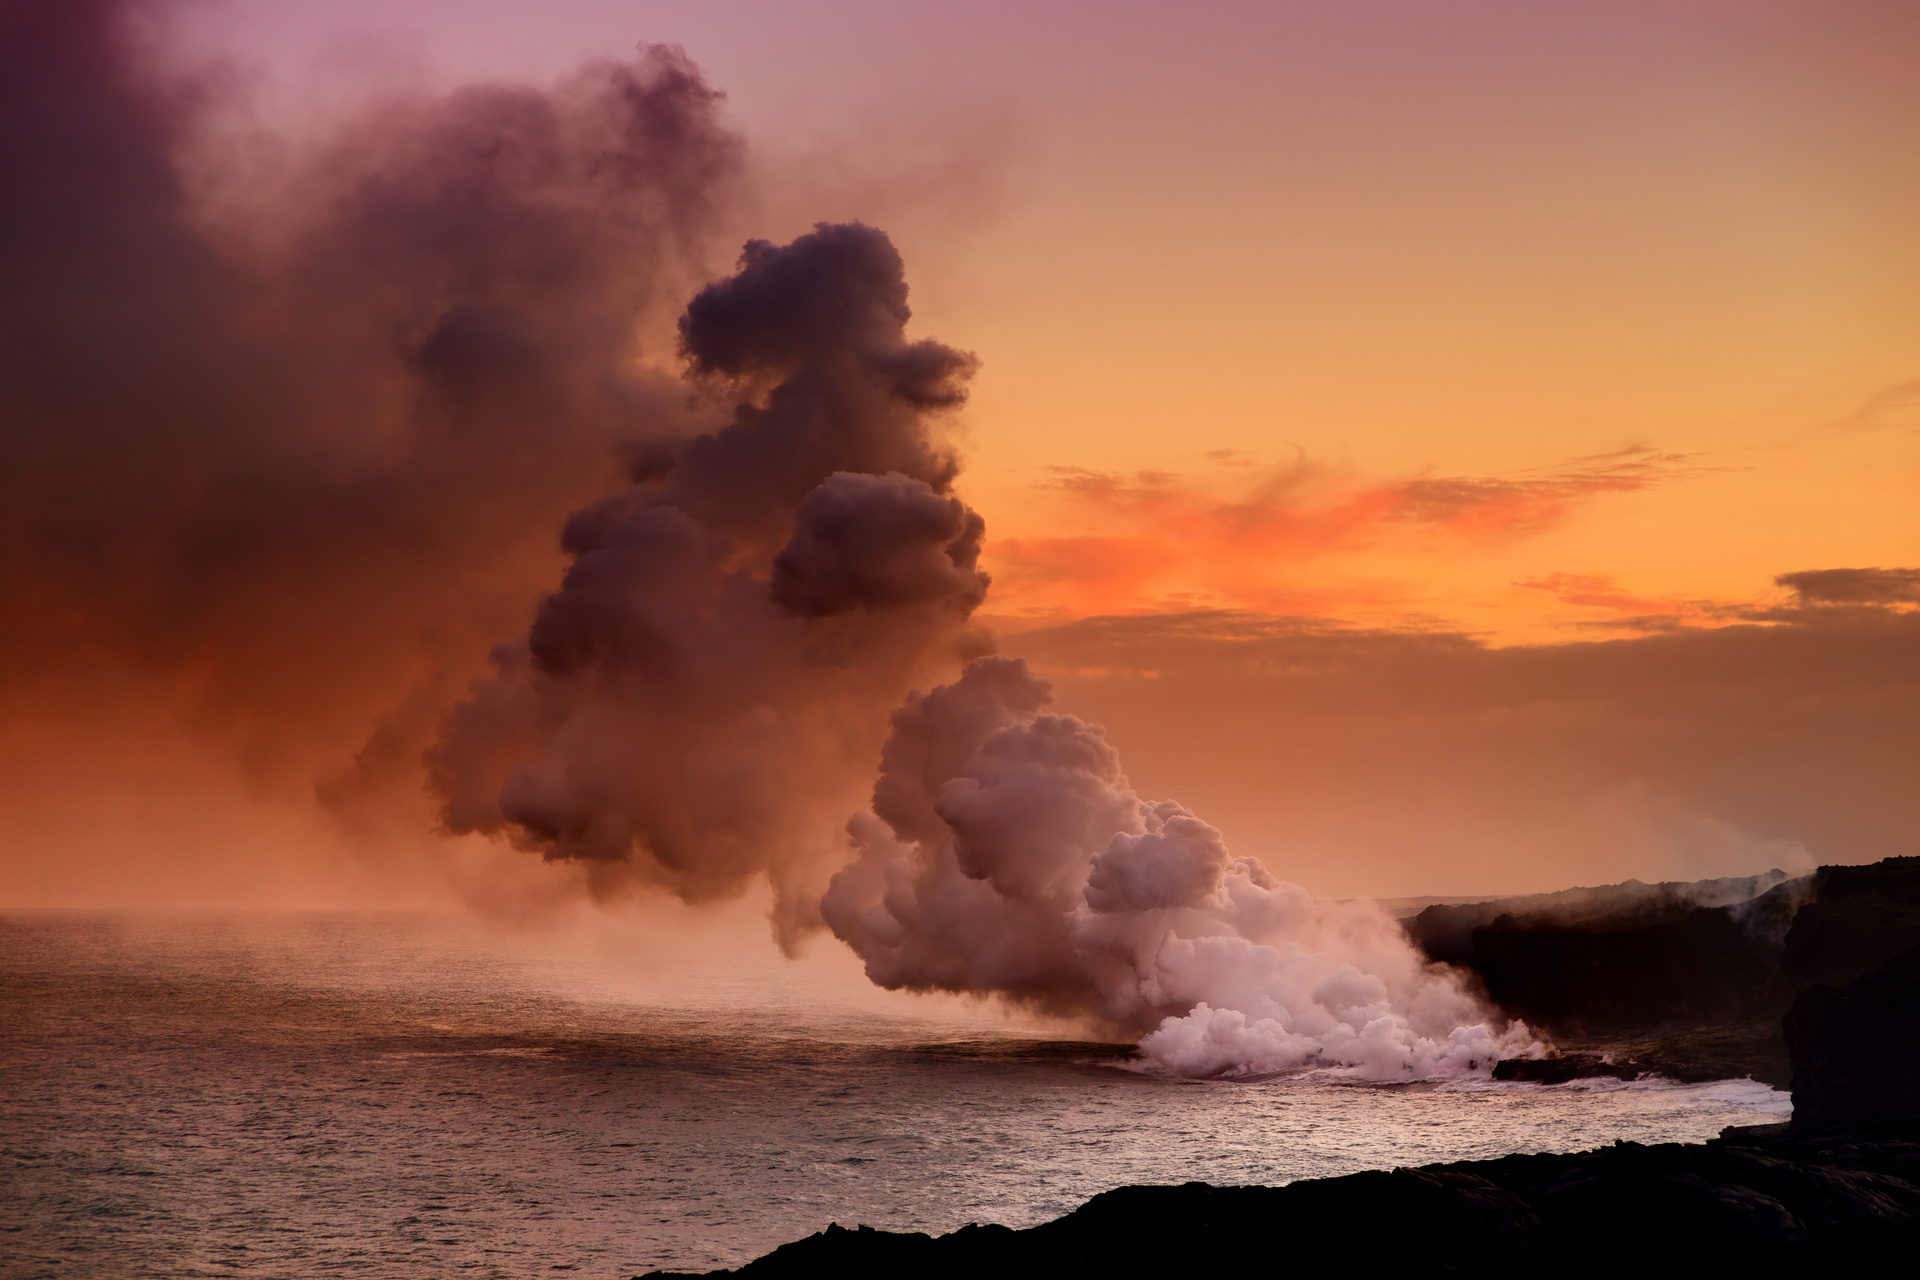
1301, 538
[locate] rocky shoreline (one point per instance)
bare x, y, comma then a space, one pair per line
1812, 981
1759, 1202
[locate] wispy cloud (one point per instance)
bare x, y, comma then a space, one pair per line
1884, 408
1628, 611
1853, 586
1161, 538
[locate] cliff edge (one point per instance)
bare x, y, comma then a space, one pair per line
1689, 980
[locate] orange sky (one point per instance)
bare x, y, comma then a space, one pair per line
1541, 323
1248, 279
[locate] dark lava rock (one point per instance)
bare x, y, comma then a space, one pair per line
1686, 980
1756, 1202
1856, 1048
1563, 1067
1596, 979
1694, 1055
1858, 919
1445, 931
1623, 960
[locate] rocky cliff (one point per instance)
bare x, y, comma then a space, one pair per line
1856, 1048
1689, 980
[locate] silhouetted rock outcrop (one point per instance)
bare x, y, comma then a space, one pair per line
1856, 920
1755, 1202
1856, 1048
1562, 1067
1445, 931
1686, 980
1628, 959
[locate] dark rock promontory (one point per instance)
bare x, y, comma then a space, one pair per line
1755, 1202
1856, 1048
1686, 980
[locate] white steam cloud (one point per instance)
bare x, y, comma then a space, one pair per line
1005, 853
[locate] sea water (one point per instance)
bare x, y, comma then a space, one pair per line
407, 1095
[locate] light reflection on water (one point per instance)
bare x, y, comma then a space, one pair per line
380, 1095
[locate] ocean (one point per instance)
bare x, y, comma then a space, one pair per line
387, 1094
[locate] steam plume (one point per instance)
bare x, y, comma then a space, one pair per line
1005, 853
702, 699
704, 696
301, 452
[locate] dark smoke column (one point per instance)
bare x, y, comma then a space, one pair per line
284, 440
703, 699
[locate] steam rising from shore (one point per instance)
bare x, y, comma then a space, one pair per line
708, 688
1006, 854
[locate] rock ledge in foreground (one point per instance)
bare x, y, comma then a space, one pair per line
1757, 1201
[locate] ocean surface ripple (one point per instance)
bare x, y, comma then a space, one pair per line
381, 1095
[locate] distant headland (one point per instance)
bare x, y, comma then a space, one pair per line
1810, 981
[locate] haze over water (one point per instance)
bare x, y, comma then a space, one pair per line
378, 1094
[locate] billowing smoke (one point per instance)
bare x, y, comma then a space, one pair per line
703, 698
1005, 853
701, 701
289, 441
290, 423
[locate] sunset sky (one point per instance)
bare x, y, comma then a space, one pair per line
1391, 422
1521, 317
